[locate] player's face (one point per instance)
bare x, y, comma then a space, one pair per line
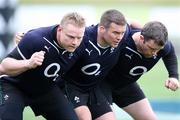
150, 48
70, 37
114, 34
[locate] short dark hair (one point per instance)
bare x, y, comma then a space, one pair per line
112, 16
156, 31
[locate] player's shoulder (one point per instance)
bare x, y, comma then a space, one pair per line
32, 34
91, 31
40, 31
90, 34
91, 28
168, 49
168, 46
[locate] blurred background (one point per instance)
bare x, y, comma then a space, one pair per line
23, 15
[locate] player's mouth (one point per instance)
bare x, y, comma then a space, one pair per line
116, 42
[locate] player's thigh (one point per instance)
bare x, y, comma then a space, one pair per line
54, 106
141, 110
11, 102
127, 95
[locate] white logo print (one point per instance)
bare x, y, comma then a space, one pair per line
129, 56
54, 74
112, 50
89, 52
6, 97
76, 98
154, 56
47, 48
94, 71
133, 72
70, 55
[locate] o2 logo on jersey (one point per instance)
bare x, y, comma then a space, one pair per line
53, 73
94, 66
134, 70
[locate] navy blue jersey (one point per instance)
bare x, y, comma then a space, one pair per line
132, 64
94, 62
56, 61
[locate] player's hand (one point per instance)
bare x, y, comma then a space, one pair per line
136, 24
172, 84
18, 36
36, 59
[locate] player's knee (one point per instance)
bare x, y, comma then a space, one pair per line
83, 113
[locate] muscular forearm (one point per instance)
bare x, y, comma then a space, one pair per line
170, 61
10, 66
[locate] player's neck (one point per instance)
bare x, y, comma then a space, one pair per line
101, 41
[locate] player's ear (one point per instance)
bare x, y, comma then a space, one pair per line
59, 28
142, 38
101, 29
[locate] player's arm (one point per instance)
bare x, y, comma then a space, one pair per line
170, 61
11, 66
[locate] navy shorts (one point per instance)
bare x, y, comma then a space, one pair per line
128, 95
11, 102
123, 96
94, 99
52, 105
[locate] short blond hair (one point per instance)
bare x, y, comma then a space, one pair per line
73, 18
